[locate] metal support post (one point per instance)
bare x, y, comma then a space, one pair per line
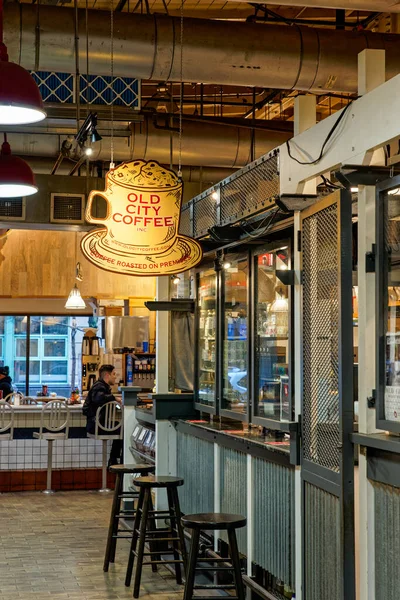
217, 488
371, 74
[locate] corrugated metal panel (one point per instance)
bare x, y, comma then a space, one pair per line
274, 519
195, 463
233, 489
387, 542
321, 544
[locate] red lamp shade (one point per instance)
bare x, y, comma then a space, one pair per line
16, 176
20, 99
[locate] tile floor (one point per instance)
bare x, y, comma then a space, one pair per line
53, 547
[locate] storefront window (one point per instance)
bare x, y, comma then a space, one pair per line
271, 360
235, 386
207, 337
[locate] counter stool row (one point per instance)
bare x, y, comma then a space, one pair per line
145, 530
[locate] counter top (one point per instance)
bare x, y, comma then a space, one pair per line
250, 442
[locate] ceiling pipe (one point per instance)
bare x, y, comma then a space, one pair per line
387, 6
209, 175
215, 51
203, 144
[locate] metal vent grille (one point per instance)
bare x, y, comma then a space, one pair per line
322, 543
274, 504
204, 215
321, 338
251, 191
12, 210
387, 524
233, 497
195, 464
67, 208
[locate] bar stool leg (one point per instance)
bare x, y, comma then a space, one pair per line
234, 552
134, 540
104, 488
153, 527
48, 489
191, 570
173, 517
142, 537
179, 527
113, 526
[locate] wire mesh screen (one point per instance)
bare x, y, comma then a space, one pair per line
387, 541
322, 544
184, 224
204, 215
321, 338
195, 464
253, 189
274, 504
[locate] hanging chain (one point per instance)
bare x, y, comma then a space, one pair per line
112, 165
181, 98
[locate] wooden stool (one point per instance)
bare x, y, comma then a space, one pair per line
116, 512
206, 522
145, 515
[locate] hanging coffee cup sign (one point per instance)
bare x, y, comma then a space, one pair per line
139, 234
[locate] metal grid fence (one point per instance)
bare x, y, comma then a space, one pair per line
321, 435
251, 190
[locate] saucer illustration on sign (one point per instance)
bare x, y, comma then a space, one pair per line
140, 231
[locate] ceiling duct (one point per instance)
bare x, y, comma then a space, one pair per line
215, 51
203, 144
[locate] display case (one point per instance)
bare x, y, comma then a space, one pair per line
271, 327
206, 350
243, 336
235, 348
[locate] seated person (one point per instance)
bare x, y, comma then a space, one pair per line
99, 394
5, 382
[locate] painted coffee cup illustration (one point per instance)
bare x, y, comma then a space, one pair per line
143, 208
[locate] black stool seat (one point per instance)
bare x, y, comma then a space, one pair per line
209, 521
131, 469
217, 521
163, 481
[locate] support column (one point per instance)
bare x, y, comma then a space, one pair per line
371, 73
165, 433
305, 116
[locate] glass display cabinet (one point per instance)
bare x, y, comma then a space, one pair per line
235, 392
206, 364
271, 325
243, 336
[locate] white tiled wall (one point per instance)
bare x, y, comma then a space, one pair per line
67, 454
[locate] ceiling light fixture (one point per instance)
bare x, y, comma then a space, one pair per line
226, 265
175, 279
75, 300
20, 99
214, 195
16, 176
88, 151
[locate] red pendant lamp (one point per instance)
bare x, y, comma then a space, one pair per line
20, 99
16, 177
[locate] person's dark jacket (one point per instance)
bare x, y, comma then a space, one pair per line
6, 386
99, 394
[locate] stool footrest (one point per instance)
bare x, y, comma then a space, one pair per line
214, 587
214, 568
157, 553
213, 559
214, 597
163, 562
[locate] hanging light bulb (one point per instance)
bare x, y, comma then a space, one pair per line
75, 300
20, 99
226, 264
175, 279
214, 195
16, 177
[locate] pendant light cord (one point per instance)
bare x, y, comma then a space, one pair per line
112, 82
3, 49
181, 97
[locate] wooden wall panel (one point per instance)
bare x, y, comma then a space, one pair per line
42, 264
